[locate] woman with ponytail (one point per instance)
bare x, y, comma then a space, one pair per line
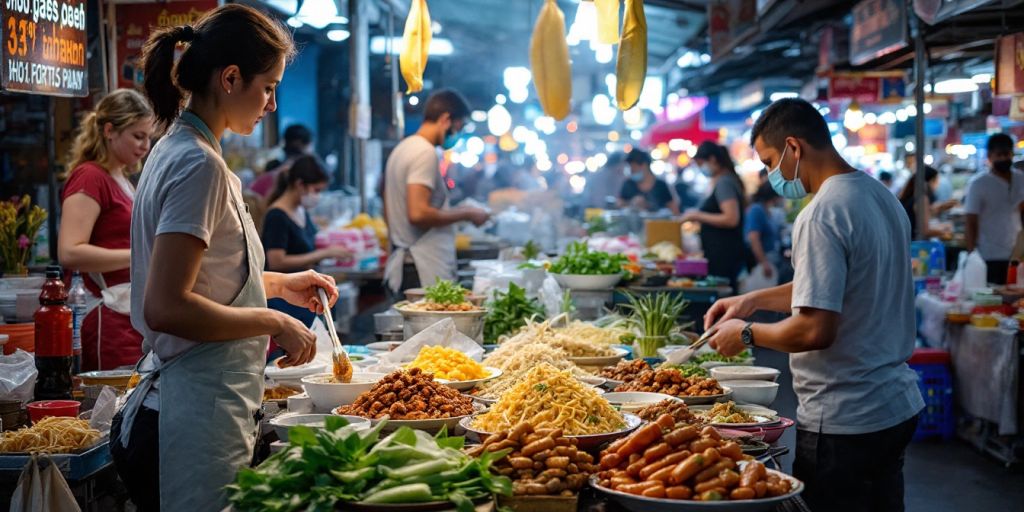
95, 224
200, 299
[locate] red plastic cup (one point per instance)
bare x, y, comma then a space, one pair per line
41, 409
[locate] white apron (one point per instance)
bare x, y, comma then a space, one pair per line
209, 397
433, 253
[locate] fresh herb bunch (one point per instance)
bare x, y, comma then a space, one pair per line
654, 317
655, 314
716, 357
597, 225
509, 311
444, 291
691, 370
580, 259
531, 250
567, 306
320, 468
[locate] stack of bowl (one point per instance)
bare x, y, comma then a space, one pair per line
749, 384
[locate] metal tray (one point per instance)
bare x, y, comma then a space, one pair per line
74, 466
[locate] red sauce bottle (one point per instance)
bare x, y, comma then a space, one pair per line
53, 322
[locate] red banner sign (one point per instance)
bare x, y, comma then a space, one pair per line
1010, 64
136, 21
43, 48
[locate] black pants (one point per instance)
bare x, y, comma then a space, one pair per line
853, 473
138, 464
410, 279
997, 271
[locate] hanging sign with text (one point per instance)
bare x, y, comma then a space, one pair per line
44, 46
136, 21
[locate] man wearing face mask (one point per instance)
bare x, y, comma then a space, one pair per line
420, 221
852, 324
994, 204
643, 190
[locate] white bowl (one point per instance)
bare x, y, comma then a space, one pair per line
327, 396
721, 373
760, 392
632, 401
283, 422
587, 282
292, 376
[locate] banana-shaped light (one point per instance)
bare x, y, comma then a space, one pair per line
631, 66
413, 59
549, 62
607, 21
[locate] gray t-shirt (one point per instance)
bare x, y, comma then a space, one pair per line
187, 188
412, 162
851, 255
997, 204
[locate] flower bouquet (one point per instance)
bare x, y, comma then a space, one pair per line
20, 221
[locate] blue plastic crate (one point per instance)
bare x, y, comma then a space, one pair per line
936, 385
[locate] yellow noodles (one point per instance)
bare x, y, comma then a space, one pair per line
51, 435
550, 398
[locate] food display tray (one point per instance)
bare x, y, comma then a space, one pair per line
74, 466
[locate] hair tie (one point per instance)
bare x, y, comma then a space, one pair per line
187, 34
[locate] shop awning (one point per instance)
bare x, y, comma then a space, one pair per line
691, 129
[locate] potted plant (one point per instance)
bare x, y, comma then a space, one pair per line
20, 221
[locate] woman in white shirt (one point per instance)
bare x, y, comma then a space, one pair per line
190, 425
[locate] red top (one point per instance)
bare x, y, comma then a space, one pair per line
112, 229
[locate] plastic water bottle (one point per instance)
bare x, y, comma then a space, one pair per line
78, 298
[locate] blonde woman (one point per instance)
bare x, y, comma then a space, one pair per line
96, 221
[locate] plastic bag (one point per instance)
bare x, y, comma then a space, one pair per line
975, 272
103, 412
442, 333
17, 376
550, 296
43, 490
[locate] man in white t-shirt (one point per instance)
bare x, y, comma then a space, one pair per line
851, 328
994, 204
420, 221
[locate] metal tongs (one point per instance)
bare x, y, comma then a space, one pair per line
684, 354
342, 364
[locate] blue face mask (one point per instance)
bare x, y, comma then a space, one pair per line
789, 189
450, 140
637, 176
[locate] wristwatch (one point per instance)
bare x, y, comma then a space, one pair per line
748, 335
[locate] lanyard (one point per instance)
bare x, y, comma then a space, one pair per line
189, 117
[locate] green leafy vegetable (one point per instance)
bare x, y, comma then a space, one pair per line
597, 225
580, 259
320, 468
531, 250
445, 292
508, 312
691, 370
715, 356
